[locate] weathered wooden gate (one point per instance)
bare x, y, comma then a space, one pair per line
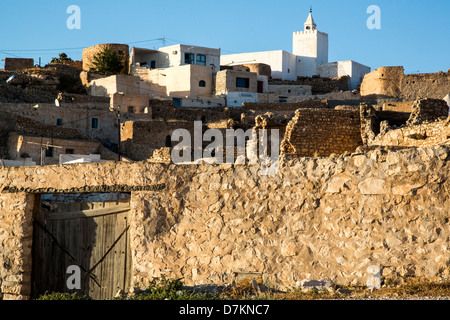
94, 237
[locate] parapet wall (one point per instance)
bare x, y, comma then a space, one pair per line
315, 218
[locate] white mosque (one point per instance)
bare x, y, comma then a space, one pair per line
309, 57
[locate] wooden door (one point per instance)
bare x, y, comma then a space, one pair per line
92, 236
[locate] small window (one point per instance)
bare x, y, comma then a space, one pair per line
201, 59
202, 83
176, 102
120, 52
289, 70
94, 123
130, 109
242, 83
189, 58
59, 122
153, 64
49, 152
70, 151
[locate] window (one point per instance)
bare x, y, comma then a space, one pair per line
94, 123
130, 109
189, 58
176, 102
242, 82
70, 151
201, 59
202, 83
59, 122
49, 152
153, 64
260, 87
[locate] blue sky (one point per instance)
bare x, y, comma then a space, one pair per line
414, 34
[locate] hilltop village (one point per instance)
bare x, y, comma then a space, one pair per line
66, 111
361, 148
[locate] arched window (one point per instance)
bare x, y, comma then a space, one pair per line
202, 83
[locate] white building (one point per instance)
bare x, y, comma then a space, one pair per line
309, 57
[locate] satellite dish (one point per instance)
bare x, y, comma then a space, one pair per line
11, 78
57, 102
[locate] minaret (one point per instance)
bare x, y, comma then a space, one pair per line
310, 46
310, 24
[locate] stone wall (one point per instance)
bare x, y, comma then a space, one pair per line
225, 81
16, 234
320, 85
322, 132
16, 64
391, 82
89, 54
315, 218
421, 135
285, 107
141, 138
428, 110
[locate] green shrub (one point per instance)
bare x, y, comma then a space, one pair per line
62, 296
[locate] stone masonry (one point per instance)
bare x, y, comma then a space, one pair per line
317, 217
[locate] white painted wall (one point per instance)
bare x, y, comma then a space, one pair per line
236, 99
282, 63
175, 55
311, 49
354, 70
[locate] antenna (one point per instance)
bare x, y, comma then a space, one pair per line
164, 40
310, 9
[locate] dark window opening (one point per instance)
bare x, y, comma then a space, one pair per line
70, 151
49, 152
242, 82
202, 83
203, 119
130, 109
189, 58
201, 59
94, 123
260, 88
59, 122
177, 102
153, 64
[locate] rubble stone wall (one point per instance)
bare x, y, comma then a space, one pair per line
322, 132
315, 218
391, 82
16, 234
